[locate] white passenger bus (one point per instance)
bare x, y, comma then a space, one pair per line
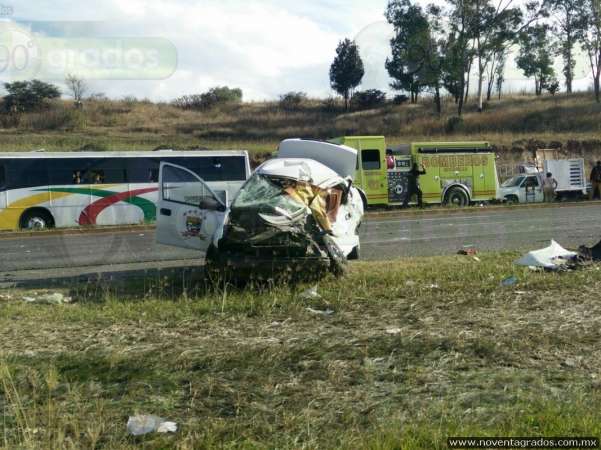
44, 190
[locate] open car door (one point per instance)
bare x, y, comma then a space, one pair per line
189, 212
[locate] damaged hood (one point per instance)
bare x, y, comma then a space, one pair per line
339, 158
301, 169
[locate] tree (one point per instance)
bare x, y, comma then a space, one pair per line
410, 47
569, 26
25, 96
346, 71
590, 39
495, 28
77, 89
500, 75
535, 57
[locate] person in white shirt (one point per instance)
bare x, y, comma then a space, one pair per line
549, 186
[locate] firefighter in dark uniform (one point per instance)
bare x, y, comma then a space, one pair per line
413, 186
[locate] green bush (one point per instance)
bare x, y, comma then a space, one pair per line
213, 97
371, 98
292, 101
454, 124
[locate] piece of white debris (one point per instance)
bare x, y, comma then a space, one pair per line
310, 294
409, 283
144, 424
6, 297
50, 299
551, 257
393, 331
327, 312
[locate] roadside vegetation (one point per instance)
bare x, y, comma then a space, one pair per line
398, 354
513, 124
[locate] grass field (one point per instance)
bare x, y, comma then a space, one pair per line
514, 124
412, 351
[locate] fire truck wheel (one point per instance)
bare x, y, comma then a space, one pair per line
456, 197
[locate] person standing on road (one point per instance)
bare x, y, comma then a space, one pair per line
413, 187
596, 181
549, 186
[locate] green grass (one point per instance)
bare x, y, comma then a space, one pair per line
416, 350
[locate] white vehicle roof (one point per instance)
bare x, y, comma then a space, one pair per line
299, 169
124, 154
339, 158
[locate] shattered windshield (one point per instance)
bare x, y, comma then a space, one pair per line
261, 191
513, 182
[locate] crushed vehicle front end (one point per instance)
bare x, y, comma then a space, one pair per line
292, 217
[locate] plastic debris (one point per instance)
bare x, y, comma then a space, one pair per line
6, 297
393, 331
310, 294
591, 253
468, 250
475, 258
327, 312
50, 299
144, 424
511, 281
552, 257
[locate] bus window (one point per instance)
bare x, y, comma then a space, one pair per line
107, 170
2, 178
216, 168
67, 170
142, 170
370, 159
26, 173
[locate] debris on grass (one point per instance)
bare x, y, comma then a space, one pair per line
144, 424
511, 281
49, 299
393, 331
325, 313
591, 253
468, 250
6, 297
310, 294
551, 258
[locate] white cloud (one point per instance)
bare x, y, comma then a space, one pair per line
266, 47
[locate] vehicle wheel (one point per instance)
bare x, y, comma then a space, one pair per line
355, 254
36, 219
512, 200
456, 197
337, 258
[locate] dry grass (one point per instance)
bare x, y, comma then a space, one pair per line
515, 122
416, 350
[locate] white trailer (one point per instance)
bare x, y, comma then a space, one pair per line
569, 174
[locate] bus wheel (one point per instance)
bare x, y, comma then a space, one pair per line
36, 219
456, 197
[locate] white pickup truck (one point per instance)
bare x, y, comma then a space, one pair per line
527, 186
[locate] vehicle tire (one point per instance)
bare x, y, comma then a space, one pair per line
355, 254
512, 200
337, 259
456, 197
36, 219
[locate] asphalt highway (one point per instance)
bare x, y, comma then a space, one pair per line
382, 237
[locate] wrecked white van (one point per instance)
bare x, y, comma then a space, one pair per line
293, 214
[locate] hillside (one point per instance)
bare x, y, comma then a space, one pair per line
512, 124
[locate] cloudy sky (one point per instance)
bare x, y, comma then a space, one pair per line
265, 47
